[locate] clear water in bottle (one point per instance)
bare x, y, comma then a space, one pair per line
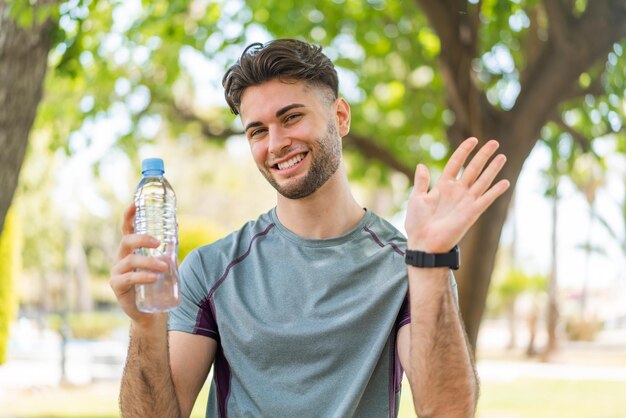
156, 215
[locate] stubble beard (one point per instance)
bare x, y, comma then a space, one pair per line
325, 162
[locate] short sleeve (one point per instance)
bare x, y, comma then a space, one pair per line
195, 314
404, 316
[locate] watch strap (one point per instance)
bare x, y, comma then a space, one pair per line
423, 259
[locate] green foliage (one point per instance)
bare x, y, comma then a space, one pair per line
514, 284
9, 274
582, 329
588, 174
29, 13
122, 58
517, 282
43, 233
194, 233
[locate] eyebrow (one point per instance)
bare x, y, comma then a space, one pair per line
278, 114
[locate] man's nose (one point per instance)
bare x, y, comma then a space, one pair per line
279, 141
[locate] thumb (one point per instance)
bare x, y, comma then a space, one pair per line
422, 179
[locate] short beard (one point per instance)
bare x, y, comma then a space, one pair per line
325, 163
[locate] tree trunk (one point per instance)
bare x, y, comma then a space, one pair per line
533, 317
588, 252
511, 314
80, 270
23, 62
479, 247
553, 301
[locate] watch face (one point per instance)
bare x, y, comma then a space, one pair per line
456, 253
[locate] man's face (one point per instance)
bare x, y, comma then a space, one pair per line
292, 129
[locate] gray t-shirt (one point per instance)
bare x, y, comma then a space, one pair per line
305, 328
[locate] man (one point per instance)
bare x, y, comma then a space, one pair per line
310, 310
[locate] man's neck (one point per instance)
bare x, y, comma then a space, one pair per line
330, 212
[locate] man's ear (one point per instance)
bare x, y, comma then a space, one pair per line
342, 113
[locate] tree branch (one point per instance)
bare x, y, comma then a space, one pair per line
475, 16
560, 21
443, 16
553, 76
213, 131
457, 28
532, 45
372, 151
580, 139
575, 92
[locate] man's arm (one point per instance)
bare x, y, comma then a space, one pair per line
434, 351
147, 389
161, 378
433, 348
158, 384
191, 358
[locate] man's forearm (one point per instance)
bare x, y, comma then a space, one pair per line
442, 376
147, 389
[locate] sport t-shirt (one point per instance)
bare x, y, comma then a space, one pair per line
305, 327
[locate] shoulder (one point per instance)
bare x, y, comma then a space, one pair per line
384, 232
220, 253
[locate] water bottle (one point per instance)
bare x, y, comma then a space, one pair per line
156, 215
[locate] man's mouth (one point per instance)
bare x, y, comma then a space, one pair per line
290, 162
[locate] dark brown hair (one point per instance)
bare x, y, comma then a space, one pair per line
286, 59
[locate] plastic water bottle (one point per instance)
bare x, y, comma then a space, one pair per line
156, 215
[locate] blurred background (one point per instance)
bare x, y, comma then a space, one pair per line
90, 87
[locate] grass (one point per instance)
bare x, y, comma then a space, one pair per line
526, 398
523, 398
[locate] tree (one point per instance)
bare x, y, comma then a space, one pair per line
24, 51
421, 76
588, 176
559, 160
508, 292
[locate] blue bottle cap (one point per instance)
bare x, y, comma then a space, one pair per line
152, 167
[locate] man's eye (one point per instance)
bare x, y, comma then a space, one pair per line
257, 133
293, 117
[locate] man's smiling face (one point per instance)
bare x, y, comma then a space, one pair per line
292, 129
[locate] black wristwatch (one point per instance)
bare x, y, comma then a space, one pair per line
450, 259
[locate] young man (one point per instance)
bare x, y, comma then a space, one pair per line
315, 308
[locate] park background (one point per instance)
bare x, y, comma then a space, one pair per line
89, 88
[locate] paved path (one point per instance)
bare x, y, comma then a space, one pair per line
34, 359
495, 370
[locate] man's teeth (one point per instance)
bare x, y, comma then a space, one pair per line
291, 162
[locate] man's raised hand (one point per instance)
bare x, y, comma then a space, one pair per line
437, 219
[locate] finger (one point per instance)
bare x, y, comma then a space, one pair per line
138, 262
491, 195
487, 177
477, 164
128, 224
124, 282
130, 243
457, 159
422, 179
